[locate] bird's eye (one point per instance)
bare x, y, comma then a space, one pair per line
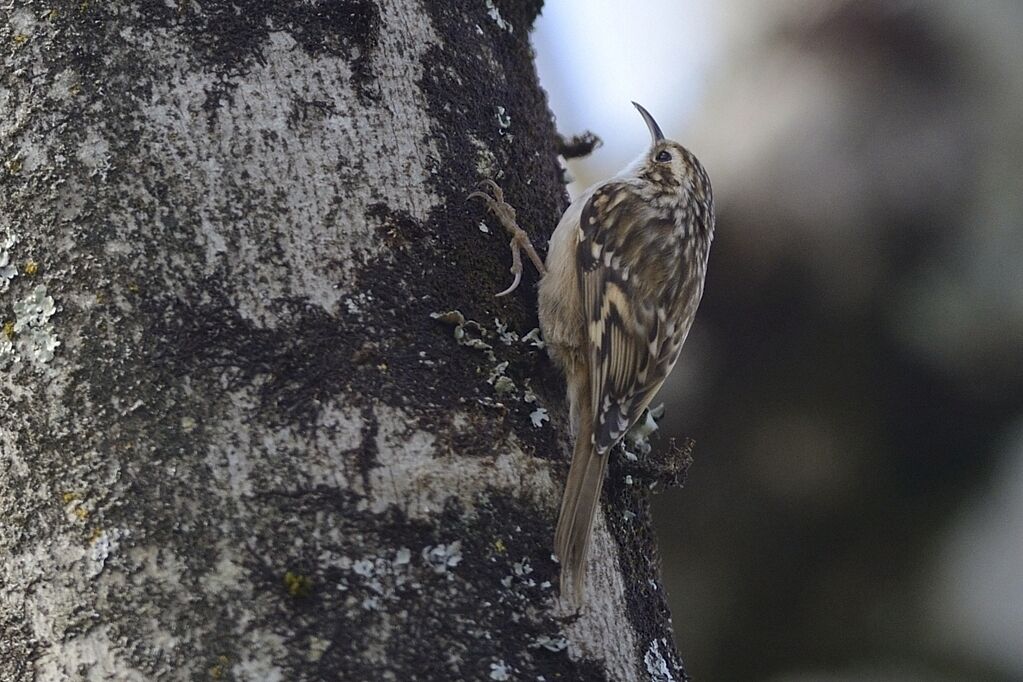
663, 156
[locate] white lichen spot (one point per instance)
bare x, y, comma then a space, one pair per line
383, 577
539, 416
454, 317
22, 22
63, 88
34, 310
363, 567
317, 647
476, 344
468, 333
7, 270
40, 344
484, 229
522, 568
533, 338
7, 353
30, 157
503, 385
225, 574
94, 154
497, 372
261, 667
503, 119
188, 424
656, 666
507, 336
500, 671
486, 162
495, 15
102, 547
443, 557
558, 643
358, 303
31, 335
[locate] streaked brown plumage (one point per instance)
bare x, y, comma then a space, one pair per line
624, 277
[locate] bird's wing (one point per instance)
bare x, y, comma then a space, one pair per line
625, 271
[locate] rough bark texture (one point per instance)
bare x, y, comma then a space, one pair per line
234, 444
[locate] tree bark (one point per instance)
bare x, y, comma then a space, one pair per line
234, 442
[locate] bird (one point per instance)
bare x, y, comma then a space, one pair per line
619, 290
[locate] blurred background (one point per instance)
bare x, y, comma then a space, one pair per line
854, 380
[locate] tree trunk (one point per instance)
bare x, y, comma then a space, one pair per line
234, 442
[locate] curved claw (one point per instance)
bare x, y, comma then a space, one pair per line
520, 240
493, 187
513, 287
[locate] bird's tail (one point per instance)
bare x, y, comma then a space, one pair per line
578, 509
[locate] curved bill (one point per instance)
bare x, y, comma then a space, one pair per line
655, 130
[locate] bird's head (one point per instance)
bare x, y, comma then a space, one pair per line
674, 175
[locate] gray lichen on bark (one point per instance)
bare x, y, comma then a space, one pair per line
254, 455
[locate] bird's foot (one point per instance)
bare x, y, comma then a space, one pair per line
519, 241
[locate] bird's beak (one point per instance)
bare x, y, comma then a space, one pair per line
655, 130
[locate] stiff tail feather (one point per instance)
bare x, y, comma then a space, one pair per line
578, 509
